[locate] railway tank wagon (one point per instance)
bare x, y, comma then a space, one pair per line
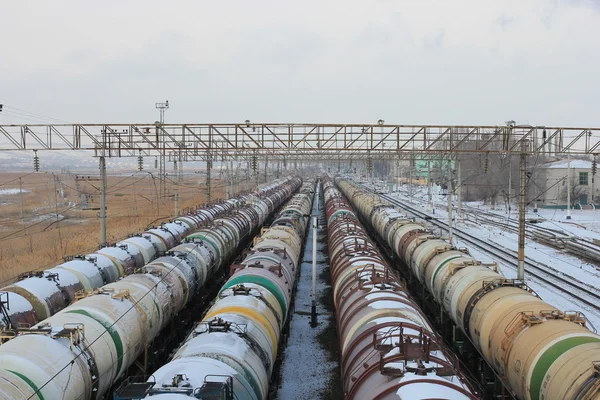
388, 348
537, 350
38, 295
79, 352
233, 349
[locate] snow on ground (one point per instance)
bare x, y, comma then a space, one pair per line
45, 217
583, 223
307, 371
534, 251
12, 191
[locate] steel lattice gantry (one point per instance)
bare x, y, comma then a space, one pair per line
296, 141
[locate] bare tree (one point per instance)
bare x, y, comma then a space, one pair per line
576, 192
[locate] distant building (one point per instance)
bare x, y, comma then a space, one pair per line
437, 167
551, 184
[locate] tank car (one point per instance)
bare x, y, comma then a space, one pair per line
234, 347
80, 351
537, 350
389, 349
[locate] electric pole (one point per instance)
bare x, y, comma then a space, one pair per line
161, 107
21, 195
509, 182
410, 168
266, 164
208, 183
522, 205
176, 184
449, 194
593, 176
429, 188
569, 186
102, 202
458, 190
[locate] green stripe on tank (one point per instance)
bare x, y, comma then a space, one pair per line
32, 385
264, 282
339, 212
118, 266
213, 245
111, 331
293, 210
440, 267
550, 355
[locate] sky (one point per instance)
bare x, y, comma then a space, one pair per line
408, 62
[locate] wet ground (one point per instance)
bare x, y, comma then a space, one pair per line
310, 368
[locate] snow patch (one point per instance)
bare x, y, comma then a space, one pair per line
11, 191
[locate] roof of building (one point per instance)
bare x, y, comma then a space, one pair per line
564, 164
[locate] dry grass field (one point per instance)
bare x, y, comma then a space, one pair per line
34, 238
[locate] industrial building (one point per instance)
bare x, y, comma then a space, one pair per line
551, 179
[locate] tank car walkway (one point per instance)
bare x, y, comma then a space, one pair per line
310, 367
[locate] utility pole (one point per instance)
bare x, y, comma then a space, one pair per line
102, 202
458, 189
509, 183
522, 205
593, 176
176, 201
180, 158
266, 164
256, 170
429, 188
247, 182
176, 184
21, 195
161, 107
535, 201
208, 188
232, 182
396, 180
449, 195
410, 168
56, 178
569, 186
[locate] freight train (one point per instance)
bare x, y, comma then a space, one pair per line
81, 351
38, 295
389, 349
537, 350
230, 354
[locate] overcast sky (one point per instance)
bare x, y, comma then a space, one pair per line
420, 62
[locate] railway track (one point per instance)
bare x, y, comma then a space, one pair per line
556, 281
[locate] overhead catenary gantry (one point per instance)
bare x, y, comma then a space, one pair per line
289, 141
249, 142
